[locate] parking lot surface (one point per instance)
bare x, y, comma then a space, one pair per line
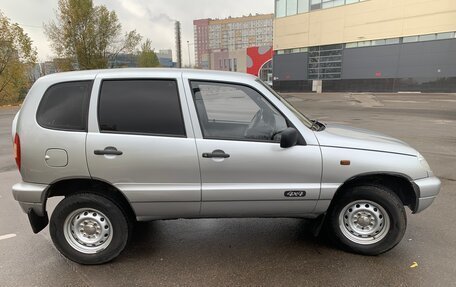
266, 252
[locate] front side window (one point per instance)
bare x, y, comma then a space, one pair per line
149, 107
65, 106
236, 112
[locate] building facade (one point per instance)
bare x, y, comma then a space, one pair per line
165, 57
365, 45
231, 34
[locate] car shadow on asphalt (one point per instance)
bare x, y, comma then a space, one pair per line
224, 236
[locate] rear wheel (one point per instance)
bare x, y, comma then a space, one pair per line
368, 220
89, 229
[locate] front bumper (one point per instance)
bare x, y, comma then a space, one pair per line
31, 196
426, 190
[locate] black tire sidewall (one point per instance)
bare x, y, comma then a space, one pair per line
117, 218
386, 199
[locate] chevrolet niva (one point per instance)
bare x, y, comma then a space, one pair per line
144, 144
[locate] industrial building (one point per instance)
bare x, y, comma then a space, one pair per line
370, 45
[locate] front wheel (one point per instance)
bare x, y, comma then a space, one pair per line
368, 220
89, 229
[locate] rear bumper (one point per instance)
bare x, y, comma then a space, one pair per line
31, 196
426, 190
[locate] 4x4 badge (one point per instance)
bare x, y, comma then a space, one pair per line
293, 193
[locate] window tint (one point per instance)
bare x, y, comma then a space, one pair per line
65, 106
236, 112
140, 107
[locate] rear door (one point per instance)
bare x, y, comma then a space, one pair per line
140, 140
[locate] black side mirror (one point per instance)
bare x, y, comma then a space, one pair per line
289, 138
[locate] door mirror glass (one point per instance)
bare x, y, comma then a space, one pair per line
289, 138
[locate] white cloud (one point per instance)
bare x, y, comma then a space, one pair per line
154, 19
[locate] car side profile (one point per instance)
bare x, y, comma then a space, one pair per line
146, 144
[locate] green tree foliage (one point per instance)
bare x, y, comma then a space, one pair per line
147, 56
90, 35
17, 56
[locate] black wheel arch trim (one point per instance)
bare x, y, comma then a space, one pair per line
416, 190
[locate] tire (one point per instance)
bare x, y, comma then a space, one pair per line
89, 229
368, 220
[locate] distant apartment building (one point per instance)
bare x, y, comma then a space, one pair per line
229, 35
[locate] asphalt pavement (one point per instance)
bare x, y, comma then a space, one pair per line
262, 252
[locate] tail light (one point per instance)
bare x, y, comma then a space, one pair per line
17, 151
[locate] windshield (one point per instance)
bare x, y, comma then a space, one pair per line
308, 123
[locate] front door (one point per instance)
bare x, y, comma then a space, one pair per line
244, 170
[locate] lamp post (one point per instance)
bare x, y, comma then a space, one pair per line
189, 59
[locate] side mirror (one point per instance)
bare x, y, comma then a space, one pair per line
289, 138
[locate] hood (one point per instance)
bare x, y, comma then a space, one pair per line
349, 137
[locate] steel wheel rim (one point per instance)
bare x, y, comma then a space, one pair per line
88, 230
364, 222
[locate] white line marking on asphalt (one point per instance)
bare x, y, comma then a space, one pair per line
7, 236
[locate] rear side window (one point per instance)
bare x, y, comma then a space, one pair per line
141, 107
65, 106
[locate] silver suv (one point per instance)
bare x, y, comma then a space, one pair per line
145, 144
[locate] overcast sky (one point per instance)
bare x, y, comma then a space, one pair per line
151, 18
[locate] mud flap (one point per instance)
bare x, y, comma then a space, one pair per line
38, 223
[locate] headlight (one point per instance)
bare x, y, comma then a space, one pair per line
425, 164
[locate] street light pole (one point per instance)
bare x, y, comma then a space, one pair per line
189, 60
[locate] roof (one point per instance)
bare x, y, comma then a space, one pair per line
121, 71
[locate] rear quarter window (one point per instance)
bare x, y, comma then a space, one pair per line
65, 106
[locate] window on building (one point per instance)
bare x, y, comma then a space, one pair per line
364, 44
392, 41
315, 4
303, 6
410, 39
429, 37
378, 42
141, 107
292, 7
448, 35
327, 4
325, 62
351, 1
351, 45
65, 106
281, 8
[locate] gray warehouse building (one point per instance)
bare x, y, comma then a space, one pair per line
371, 45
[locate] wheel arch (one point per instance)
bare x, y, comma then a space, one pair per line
401, 184
67, 187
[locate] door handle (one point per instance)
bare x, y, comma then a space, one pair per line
216, 154
110, 150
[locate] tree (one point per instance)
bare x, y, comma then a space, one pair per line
147, 56
90, 35
17, 56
